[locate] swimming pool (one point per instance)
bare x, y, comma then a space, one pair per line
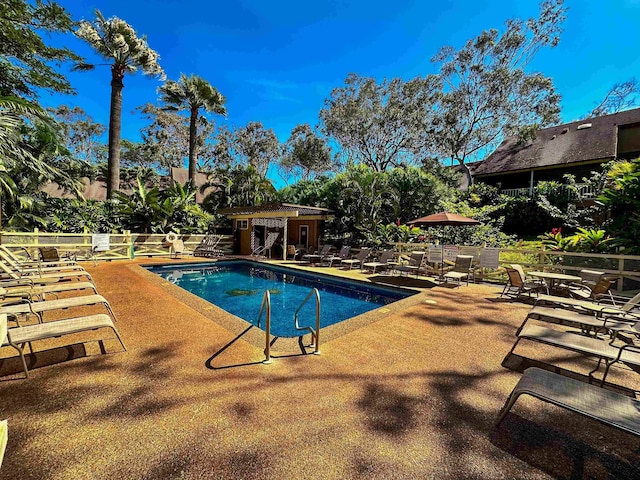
237, 286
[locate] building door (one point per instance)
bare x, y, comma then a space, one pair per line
304, 236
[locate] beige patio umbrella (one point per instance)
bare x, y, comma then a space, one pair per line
442, 218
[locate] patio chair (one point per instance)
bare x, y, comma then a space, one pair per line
414, 265
342, 254
177, 248
359, 259
461, 269
18, 337
293, 252
602, 288
517, 286
529, 280
260, 250
603, 405
386, 260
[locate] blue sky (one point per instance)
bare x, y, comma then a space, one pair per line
277, 61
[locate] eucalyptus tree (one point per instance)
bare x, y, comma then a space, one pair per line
488, 94
305, 154
252, 145
27, 63
80, 132
381, 124
623, 95
193, 93
117, 42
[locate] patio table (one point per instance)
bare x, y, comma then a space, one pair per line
552, 278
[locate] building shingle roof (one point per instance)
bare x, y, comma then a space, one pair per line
275, 207
561, 145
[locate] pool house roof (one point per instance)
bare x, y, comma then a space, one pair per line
271, 210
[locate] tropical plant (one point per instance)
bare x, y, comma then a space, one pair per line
25, 59
117, 42
237, 186
193, 93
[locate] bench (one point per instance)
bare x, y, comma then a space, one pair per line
605, 406
19, 336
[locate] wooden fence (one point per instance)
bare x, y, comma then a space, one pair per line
626, 268
122, 246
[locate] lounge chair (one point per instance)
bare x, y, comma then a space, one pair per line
317, 257
36, 277
40, 268
342, 254
23, 307
18, 337
208, 247
39, 292
629, 308
517, 287
386, 260
605, 351
359, 259
260, 250
414, 265
461, 269
603, 405
36, 263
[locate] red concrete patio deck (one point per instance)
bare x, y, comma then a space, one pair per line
411, 393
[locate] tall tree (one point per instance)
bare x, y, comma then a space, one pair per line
306, 154
80, 132
487, 92
253, 145
194, 93
25, 59
380, 124
117, 42
622, 95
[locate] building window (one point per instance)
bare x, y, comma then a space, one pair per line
628, 141
242, 224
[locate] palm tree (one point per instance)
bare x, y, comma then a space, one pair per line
116, 41
195, 93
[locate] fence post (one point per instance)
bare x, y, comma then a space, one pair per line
620, 269
129, 239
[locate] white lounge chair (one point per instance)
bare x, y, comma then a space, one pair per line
18, 337
359, 259
386, 260
260, 250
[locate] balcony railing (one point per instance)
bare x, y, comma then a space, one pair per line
584, 191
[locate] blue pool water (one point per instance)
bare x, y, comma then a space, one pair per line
238, 287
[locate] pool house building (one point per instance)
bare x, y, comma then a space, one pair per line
298, 225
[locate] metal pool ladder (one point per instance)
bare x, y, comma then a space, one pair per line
315, 334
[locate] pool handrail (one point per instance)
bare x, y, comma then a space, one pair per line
315, 335
266, 302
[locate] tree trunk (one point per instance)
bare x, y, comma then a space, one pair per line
115, 121
467, 171
193, 156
